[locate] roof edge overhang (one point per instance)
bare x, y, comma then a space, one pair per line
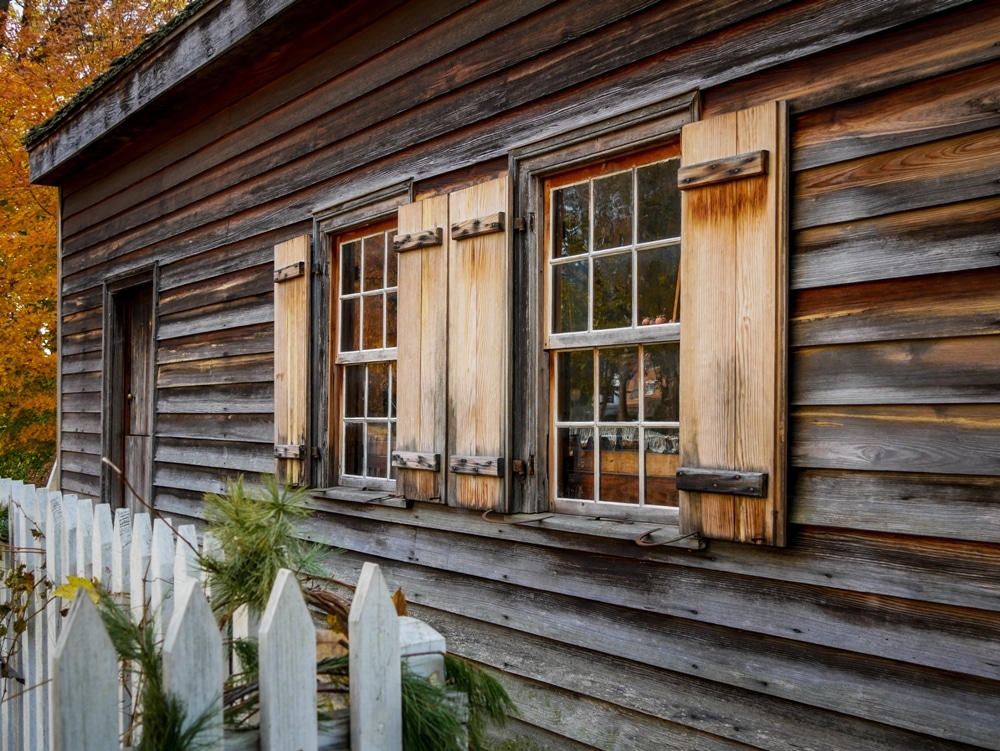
206, 32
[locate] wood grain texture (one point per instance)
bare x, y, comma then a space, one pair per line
416, 460
223, 454
926, 307
422, 330
292, 331
478, 343
721, 170
922, 371
940, 239
955, 169
257, 368
734, 267
927, 110
249, 427
944, 439
906, 504
873, 688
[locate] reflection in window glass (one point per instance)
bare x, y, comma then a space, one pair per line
658, 293
571, 220
659, 201
613, 291
367, 295
613, 211
570, 297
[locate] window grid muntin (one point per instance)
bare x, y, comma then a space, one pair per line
365, 357
593, 339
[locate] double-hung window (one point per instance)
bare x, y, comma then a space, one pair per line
612, 266
365, 333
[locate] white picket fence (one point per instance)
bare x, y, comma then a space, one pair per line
72, 698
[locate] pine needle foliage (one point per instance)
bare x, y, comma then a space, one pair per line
254, 527
162, 716
489, 703
430, 723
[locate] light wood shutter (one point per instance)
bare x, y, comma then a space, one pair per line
734, 273
291, 358
478, 351
421, 366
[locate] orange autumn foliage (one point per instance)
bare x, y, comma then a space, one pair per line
50, 50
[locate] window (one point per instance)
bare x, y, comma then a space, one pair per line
612, 257
365, 331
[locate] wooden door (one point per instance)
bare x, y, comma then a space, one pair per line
137, 392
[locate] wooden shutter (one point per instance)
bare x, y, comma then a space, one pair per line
478, 351
421, 331
291, 358
734, 273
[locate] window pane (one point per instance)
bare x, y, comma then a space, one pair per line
354, 391
392, 391
657, 284
659, 201
374, 263
378, 389
350, 268
662, 460
613, 291
390, 319
661, 382
349, 310
620, 465
569, 297
391, 266
570, 221
576, 463
617, 381
354, 433
373, 322
613, 211
378, 450
576, 386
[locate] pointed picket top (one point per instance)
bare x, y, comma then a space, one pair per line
120, 552
376, 698
287, 670
161, 575
138, 564
210, 548
84, 538
192, 661
100, 549
67, 538
84, 683
185, 555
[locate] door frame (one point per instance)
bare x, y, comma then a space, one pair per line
117, 291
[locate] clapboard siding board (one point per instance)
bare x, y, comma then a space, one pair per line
927, 110
245, 457
628, 41
220, 288
755, 719
940, 637
235, 341
941, 704
245, 311
256, 428
952, 237
233, 369
943, 439
921, 371
254, 398
945, 571
924, 307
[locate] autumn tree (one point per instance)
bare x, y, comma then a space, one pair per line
50, 50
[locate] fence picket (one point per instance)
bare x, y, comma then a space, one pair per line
373, 632
120, 552
85, 676
85, 538
138, 564
185, 555
161, 576
40, 638
192, 661
287, 670
100, 549
67, 540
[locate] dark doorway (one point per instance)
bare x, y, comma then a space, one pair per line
128, 396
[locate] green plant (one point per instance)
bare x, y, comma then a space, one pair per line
4, 525
254, 528
489, 703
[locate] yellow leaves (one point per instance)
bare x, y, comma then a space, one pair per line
399, 600
68, 590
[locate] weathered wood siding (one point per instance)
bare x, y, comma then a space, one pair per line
878, 627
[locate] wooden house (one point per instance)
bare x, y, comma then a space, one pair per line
652, 348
